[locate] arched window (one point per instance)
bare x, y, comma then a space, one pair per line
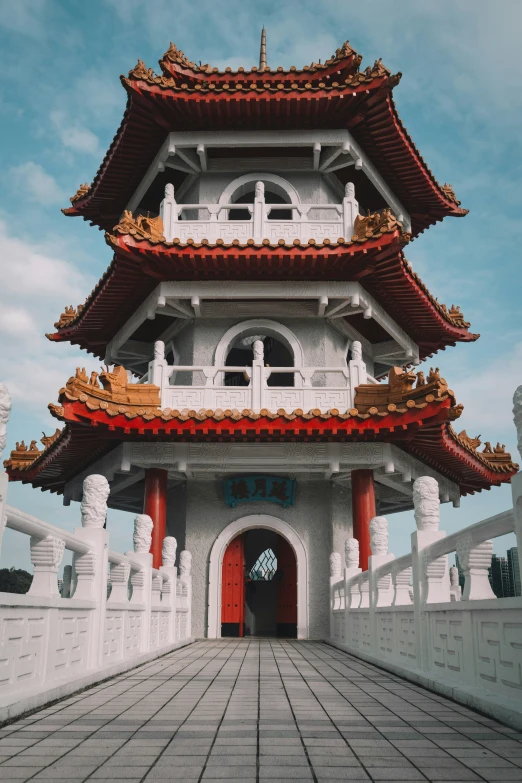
271, 197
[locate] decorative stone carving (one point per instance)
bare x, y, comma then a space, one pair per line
159, 349
259, 190
168, 551
349, 190
426, 503
46, 556
454, 576
85, 568
157, 583
138, 587
169, 190
401, 584
356, 350
335, 565
93, 507
5, 410
259, 351
351, 553
517, 417
185, 563
379, 536
142, 537
475, 560
119, 578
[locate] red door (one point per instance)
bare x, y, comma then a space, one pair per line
286, 611
233, 589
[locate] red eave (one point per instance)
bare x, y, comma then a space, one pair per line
365, 109
139, 265
422, 432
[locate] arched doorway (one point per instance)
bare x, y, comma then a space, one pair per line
220, 546
276, 354
259, 586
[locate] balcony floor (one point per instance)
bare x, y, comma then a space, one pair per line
254, 710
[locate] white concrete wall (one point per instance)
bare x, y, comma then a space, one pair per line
208, 516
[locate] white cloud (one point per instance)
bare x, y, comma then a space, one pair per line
35, 288
74, 136
31, 180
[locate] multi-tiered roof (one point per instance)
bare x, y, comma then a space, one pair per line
330, 95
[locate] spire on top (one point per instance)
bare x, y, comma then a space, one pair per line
262, 51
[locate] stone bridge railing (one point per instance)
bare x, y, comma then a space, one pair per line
407, 614
115, 610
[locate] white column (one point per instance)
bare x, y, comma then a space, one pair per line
46, 556
350, 210
259, 212
169, 211
475, 561
170, 574
90, 569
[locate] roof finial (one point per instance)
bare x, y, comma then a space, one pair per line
262, 51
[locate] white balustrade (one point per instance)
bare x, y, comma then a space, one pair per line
213, 223
469, 645
52, 645
214, 395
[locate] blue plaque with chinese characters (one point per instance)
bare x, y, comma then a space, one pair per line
250, 489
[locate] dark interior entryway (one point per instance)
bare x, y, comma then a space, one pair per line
259, 586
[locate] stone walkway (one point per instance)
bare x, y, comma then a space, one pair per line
258, 710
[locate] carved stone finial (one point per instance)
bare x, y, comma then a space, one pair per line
142, 537
159, 349
259, 350
94, 501
454, 576
169, 190
349, 190
260, 189
5, 410
335, 564
517, 417
351, 553
426, 503
168, 551
356, 351
185, 563
379, 535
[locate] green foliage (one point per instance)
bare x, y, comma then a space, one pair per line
14, 580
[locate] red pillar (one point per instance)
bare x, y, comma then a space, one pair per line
155, 505
363, 508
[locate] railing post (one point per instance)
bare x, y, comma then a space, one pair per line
5, 410
430, 578
120, 573
159, 369
401, 586
516, 481
352, 596
141, 581
335, 576
213, 223
258, 376
259, 212
169, 212
357, 370
475, 561
90, 569
46, 556
170, 572
380, 588
350, 210
185, 577
455, 590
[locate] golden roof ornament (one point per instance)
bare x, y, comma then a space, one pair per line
141, 227
80, 193
450, 194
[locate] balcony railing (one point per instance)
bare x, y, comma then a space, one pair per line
212, 223
213, 394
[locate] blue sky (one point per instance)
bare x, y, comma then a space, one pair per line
61, 103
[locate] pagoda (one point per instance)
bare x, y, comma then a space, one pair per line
259, 325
